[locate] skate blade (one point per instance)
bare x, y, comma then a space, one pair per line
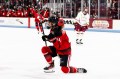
79, 44
49, 71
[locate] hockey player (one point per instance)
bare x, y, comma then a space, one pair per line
61, 47
81, 24
38, 20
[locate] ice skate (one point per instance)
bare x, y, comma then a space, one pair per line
81, 41
77, 41
50, 68
81, 70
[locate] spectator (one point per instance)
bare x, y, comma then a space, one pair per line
109, 3
114, 7
19, 12
93, 7
46, 12
95, 15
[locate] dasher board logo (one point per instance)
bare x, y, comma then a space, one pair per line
102, 24
68, 21
18, 20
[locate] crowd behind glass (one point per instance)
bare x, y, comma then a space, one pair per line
97, 8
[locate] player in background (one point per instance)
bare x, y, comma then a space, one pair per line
46, 14
81, 25
38, 19
61, 47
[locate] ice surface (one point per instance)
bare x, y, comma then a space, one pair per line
21, 57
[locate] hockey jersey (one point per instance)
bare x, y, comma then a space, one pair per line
82, 19
62, 44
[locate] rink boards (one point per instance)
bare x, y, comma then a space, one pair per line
100, 25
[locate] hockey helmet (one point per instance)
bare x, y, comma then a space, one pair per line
53, 19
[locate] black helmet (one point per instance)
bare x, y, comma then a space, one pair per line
53, 19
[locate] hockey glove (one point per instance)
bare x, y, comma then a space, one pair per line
45, 38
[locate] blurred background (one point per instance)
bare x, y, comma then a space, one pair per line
66, 8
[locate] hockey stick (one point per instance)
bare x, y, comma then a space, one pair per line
43, 33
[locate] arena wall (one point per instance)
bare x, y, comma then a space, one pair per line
99, 24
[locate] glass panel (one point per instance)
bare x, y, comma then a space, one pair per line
70, 8
94, 8
114, 9
103, 10
108, 8
119, 9
78, 7
67, 12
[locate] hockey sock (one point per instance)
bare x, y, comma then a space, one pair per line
46, 52
37, 28
48, 58
73, 70
69, 69
81, 36
41, 29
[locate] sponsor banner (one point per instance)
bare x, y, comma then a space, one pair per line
94, 23
24, 22
68, 23
101, 23
10, 21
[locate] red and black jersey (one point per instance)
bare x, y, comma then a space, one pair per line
46, 13
62, 44
38, 16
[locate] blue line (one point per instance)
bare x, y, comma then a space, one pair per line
71, 29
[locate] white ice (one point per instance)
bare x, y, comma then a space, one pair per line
21, 57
